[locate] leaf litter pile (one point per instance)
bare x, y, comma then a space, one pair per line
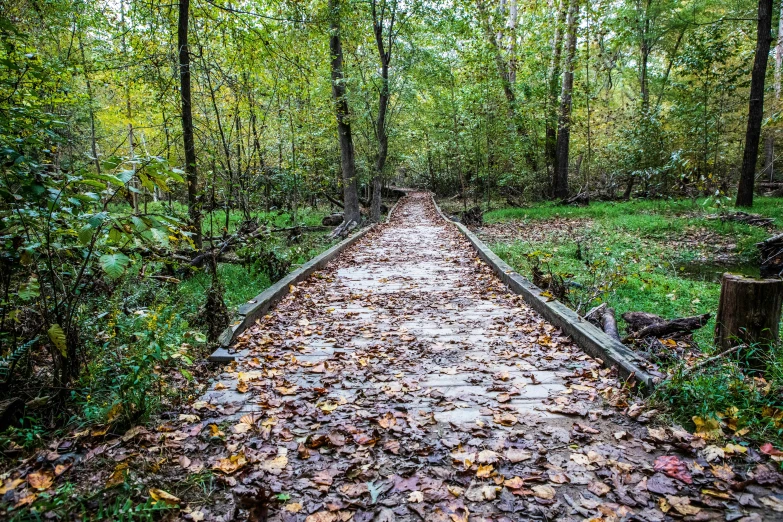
405, 383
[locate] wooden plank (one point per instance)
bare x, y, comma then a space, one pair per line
591, 339
263, 302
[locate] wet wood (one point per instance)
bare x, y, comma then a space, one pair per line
661, 329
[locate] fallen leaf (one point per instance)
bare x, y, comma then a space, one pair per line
598, 488
40, 480
682, 505
162, 496
231, 464
545, 492
484, 471
673, 467
515, 455
487, 457
416, 496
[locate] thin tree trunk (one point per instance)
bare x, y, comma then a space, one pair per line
381, 131
554, 84
508, 87
187, 121
345, 139
93, 139
560, 182
755, 106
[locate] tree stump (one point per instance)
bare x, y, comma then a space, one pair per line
748, 313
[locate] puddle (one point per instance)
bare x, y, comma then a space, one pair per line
714, 271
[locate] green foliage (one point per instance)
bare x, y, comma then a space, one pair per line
746, 403
68, 503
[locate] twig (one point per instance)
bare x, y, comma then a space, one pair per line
708, 360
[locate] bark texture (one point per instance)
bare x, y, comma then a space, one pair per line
347, 155
748, 313
755, 106
191, 173
560, 181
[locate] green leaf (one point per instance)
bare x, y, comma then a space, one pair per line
29, 290
85, 234
186, 374
114, 264
57, 336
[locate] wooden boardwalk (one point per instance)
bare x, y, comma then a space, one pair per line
403, 382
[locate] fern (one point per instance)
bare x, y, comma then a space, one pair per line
18, 357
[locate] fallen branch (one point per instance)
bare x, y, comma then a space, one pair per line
712, 359
683, 325
609, 323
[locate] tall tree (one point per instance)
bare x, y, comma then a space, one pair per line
560, 181
755, 105
385, 45
769, 140
351, 214
187, 121
550, 142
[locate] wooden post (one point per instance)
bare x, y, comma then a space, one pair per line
748, 313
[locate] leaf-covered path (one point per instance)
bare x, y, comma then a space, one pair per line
405, 383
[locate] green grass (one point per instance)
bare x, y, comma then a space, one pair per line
635, 258
628, 247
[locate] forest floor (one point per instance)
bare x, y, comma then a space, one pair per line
404, 382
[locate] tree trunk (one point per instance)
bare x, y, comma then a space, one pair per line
755, 106
749, 313
508, 87
345, 139
560, 181
769, 155
187, 121
554, 84
381, 131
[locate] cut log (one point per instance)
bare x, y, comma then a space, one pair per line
749, 313
609, 322
771, 251
638, 320
594, 315
604, 317
682, 325
332, 220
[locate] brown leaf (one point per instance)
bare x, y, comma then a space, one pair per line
517, 455
231, 464
598, 488
40, 480
544, 491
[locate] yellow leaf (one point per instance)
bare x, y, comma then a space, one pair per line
162, 496
10, 485
708, 428
484, 471
57, 336
293, 507
118, 475
231, 464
